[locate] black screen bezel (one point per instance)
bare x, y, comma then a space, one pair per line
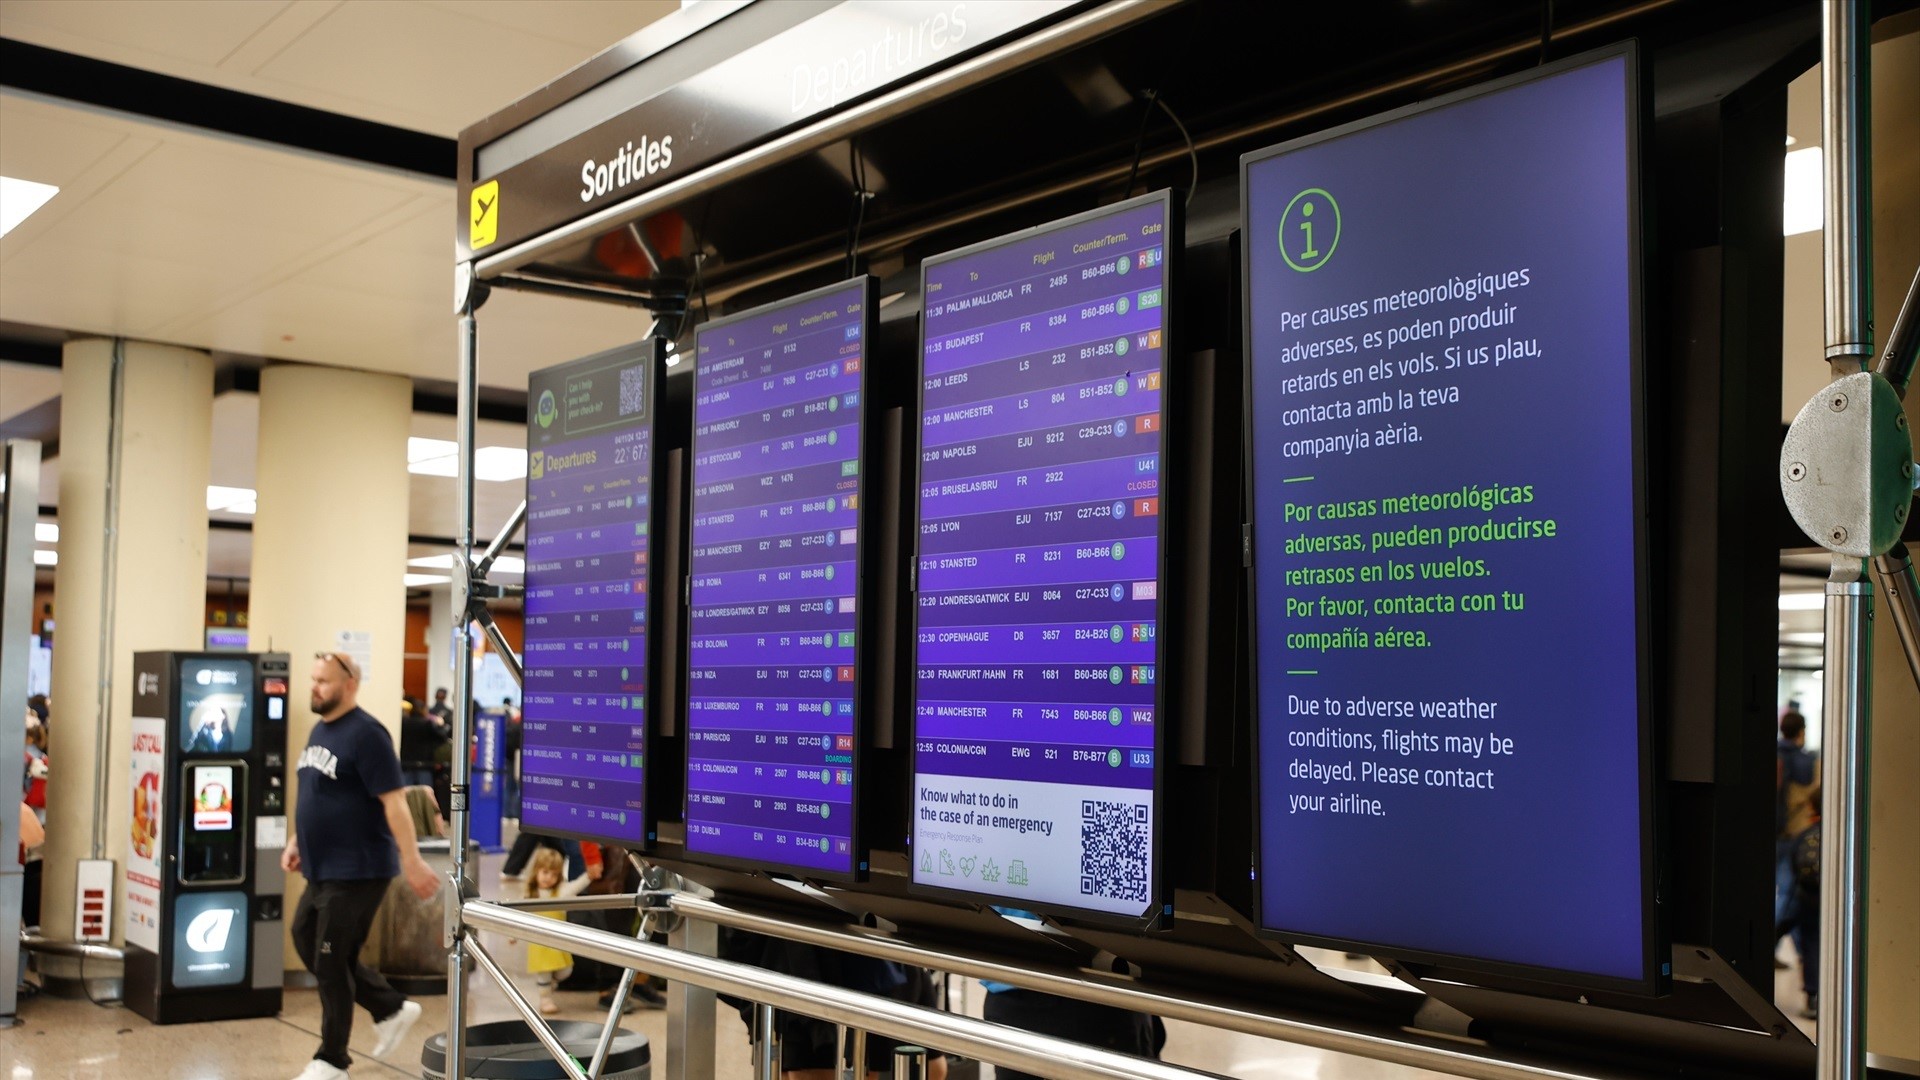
1655, 970
652, 352
1160, 898
863, 593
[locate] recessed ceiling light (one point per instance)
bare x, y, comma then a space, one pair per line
423, 449
19, 199
505, 564
415, 580
231, 500
440, 466
43, 557
46, 532
499, 463
1802, 209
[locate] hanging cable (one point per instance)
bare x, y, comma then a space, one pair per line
857, 175
1546, 28
1193, 157
1154, 100
700, 261
1139, 143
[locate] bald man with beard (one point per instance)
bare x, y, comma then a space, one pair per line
352, 836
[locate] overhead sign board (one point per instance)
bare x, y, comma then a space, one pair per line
644, 127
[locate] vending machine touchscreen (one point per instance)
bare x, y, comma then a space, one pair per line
212, 826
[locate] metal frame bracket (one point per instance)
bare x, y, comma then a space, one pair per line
1846, 468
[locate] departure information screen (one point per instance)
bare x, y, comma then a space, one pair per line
1443, 407
771, 723
1039, 567
589, 503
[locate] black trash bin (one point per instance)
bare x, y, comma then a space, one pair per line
507, 1050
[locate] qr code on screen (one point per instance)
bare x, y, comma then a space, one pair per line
633, 390
1114, 843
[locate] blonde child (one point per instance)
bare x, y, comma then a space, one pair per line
546, 880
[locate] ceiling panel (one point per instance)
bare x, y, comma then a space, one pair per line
415, 65
589, 24
189, 32
40, 144
431, 66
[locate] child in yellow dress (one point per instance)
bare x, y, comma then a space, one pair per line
546, 880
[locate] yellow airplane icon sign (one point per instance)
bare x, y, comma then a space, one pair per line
484, 220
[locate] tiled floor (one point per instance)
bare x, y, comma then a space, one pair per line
60, 1038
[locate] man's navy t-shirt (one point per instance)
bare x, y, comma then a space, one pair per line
340, 823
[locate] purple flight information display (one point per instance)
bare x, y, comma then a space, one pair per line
1039, 567
589, 509
771, 724
1444, 395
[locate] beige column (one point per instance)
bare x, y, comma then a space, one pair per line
330, 536
132, 576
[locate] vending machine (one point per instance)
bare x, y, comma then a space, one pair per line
207, 824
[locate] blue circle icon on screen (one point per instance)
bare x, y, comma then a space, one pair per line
826, 674
1119, 591
830, 539
1119, 430
1119, 509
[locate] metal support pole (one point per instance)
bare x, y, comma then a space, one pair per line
504, 650
1844, 100
501, 540
859, 1054
766, 1049
690, 1008
614, 1012
1846, 139
1894, 570
459, 821
1903, 341
1843, 831
1897, 580
527, 1013
910, 1063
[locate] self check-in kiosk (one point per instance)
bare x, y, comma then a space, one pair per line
207, 824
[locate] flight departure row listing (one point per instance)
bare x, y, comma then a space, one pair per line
775, 569
589, 503
1038, 567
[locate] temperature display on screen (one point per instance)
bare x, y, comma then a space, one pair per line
775, 567
589, 503
1039, 566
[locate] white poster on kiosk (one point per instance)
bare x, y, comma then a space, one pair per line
148, 841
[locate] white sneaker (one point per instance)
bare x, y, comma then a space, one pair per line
320, 1070
393, 1029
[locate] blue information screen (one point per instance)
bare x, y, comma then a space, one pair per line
1443, 313
1039, 566
775, 569
589, 505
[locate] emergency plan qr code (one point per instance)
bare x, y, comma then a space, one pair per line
633, 389
1113, 850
